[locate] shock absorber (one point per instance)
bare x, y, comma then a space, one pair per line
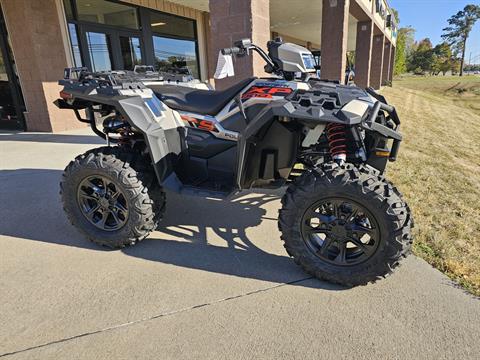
337, 141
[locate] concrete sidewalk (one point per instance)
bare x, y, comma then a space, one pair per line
213, 283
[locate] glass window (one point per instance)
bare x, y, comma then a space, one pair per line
7, 108
99, 50
166, 24
8, 112
131, 52
77, 57
108, 13
175, 54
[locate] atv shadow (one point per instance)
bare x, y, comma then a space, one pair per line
30, 208
234, 237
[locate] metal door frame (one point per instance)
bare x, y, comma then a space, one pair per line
12, 81
114, 35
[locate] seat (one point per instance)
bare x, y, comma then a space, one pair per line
205, 102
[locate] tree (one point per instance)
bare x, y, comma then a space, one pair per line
405, 41
395, 15
424, 45
351, 58
472, 67
421, 59
460, 25
455, 65
400, 66
442, 59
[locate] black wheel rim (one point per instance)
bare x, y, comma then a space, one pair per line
102, 203
340, 231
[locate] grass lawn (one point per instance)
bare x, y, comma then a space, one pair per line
438, 170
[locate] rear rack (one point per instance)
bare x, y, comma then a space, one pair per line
105, 82
120, 77
75, 71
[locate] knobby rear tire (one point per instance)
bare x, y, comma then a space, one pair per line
145, 198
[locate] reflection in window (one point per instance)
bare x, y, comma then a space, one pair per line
106, 12
175, 54
7, 105
166, 24
131, 52
99, 50
3, 71
77, 58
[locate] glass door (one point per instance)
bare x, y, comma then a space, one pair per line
99, 51
110, 49
8, 113
131, 51
11, 101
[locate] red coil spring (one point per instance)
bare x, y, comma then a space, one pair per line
337, 140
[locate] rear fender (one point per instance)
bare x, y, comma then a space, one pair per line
163, 130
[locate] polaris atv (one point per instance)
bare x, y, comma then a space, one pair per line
341, 219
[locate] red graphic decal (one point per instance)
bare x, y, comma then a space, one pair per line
265, 92
200, 124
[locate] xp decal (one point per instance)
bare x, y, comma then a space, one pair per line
266, 92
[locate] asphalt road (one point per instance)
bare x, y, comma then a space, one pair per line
213, 283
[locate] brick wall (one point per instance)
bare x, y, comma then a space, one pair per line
392, 63
232, 20
363, 53
260, 10
39, 52
376, 68
386, 62
334, 39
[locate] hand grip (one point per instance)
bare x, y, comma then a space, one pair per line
231, 51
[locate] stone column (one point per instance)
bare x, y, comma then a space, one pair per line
334, 39
386, 62
363, 53
377, 61
38, 45
232, 20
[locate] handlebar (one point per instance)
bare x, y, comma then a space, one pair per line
244, 46
231, 51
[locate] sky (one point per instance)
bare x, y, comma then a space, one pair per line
429, 17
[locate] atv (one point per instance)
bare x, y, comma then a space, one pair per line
341, 220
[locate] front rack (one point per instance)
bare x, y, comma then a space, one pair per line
370, 123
